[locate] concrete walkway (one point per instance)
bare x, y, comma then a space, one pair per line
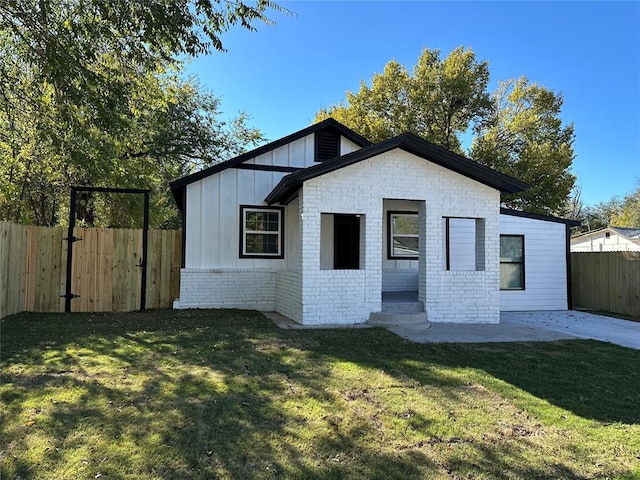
543, 326
530, 327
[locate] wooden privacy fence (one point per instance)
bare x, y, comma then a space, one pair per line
606, 281
105, 271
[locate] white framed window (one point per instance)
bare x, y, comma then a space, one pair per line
261, 232
403, 236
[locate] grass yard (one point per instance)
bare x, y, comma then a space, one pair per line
226, 394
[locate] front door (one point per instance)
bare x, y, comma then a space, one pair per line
346, 234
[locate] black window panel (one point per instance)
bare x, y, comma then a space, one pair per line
346, 253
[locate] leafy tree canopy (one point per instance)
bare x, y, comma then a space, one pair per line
616, 212
92, 94
517, 129
523, 136
437, 101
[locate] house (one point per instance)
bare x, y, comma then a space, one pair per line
608, 239
324, 227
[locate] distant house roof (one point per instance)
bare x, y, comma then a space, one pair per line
629, 233
178, 185
633, 233
537, 216
289, 185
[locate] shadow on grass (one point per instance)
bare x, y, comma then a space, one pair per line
164, 395
203, 394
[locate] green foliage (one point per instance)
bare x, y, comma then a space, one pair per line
518, 130
524, 137
92, 95
616, 212
438, 101
628, 214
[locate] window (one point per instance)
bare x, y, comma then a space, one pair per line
403, 235
261, 232
464, 244
511, 262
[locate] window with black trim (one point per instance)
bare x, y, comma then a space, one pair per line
261, 232
511, 262
403, 235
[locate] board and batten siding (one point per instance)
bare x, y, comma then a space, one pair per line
545, 265
214, 275
213, 208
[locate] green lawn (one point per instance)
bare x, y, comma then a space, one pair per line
225, 394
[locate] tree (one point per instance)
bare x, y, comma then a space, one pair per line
524, 137
91, 94
628, 214
75, 45
518, 129
438, 101
617, 212
173, 130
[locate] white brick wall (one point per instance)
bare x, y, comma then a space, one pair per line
227, 288
288, 294
336, 297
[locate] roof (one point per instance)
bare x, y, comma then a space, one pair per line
178, 185
629, 233
409, 143
537, 216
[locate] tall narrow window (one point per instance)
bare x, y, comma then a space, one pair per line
403, 235
261, 232
511, 262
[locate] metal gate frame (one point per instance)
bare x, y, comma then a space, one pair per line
68, 296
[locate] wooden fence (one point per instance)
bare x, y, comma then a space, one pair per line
105, 272
607, 281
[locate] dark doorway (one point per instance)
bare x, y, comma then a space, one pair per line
346, 246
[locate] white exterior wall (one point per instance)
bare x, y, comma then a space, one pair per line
214, 274
349, 296
598, 242
545, 265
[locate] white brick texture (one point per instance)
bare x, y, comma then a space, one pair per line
335, 297
227, 288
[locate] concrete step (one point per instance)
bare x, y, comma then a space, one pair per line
388, 319
403, 307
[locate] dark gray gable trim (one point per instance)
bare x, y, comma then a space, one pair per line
409, 143
266, 168
537, 216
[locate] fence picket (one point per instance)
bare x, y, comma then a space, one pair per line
105, 275
607, 281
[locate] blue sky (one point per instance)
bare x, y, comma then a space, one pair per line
589, 51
